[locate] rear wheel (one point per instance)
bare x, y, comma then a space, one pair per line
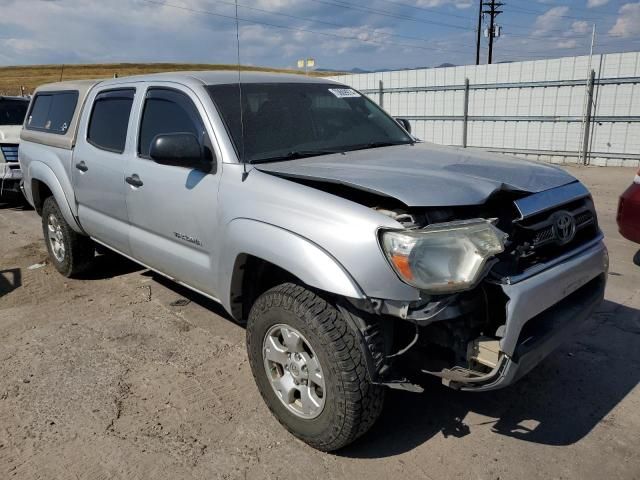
309, 369
70, 252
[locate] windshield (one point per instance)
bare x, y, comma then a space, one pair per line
12, 112
283, 121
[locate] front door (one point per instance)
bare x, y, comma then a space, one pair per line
172, 208
98, 165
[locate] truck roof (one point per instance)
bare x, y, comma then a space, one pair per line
192, 79
218, 77
207, 77
80, 85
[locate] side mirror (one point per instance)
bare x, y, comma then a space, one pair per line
180, 150
404, 123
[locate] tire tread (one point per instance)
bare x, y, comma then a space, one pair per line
364, 400
80, 250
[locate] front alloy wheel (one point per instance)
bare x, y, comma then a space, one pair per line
294, 371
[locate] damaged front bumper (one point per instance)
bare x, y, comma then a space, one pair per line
543, 308
543, 311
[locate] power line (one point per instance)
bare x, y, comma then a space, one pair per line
573, 7
541, 12
346, 4
430, 11
387, 13
298, 29
378, 33
322, 22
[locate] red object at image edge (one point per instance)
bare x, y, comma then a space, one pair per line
628, 217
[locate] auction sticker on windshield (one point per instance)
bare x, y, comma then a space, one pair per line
344, 92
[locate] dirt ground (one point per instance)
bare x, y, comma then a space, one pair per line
124, 375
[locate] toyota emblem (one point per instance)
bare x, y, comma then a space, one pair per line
564, 226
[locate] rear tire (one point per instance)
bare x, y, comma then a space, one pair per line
347, 405
70, 252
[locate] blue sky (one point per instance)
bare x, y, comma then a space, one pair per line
343, 34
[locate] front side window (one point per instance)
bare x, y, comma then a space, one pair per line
109, 120
168, 111
282, 121
52, 111
13, 111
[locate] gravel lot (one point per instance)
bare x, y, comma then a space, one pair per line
124, 375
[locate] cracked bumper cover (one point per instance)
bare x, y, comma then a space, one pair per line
543, 312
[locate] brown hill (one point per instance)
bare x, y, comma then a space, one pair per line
29, 77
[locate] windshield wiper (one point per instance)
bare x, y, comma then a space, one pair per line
295, 154
365, 146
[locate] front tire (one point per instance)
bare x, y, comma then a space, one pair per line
70, 252
309, 368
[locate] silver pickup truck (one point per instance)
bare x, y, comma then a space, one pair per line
359, 258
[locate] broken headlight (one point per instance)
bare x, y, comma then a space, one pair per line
443, 257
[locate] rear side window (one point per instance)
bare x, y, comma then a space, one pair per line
109, 120
167, 111
52, 111
13, 111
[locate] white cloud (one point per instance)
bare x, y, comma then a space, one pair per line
439, 3
270, 4
552, 19
554, 30
86, 31
580, 26
569, 43
596, 3
628, 22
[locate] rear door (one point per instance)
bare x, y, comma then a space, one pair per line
105, 144
173, 208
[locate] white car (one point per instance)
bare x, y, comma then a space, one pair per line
12, 113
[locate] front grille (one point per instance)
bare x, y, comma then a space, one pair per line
542, 230
544, 235
10, 152
539, 238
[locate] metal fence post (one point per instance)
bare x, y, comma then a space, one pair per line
381, 94
465, 120
587, 118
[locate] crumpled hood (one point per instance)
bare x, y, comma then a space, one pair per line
425, 174
10, 133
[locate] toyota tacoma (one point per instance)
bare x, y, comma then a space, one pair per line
360, 258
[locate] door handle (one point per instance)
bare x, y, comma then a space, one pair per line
82, 166
134, 180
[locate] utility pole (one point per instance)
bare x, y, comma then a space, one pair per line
479, 32
493, 11
588, 104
